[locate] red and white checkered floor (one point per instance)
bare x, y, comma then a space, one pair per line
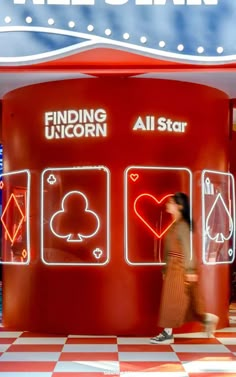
43, 355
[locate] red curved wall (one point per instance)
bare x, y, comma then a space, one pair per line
117, 297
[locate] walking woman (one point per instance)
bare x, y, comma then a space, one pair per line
180, 299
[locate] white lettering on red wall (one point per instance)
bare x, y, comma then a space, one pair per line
75, 123
162, 124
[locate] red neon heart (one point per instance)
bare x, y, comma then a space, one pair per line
142, 201
134, 177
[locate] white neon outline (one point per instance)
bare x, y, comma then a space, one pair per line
27, 215
204, 232
80, 235
97, 41
126, 177
108, 198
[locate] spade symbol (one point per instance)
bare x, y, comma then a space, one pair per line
219, 223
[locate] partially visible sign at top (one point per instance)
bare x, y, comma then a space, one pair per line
194, 31
118, 2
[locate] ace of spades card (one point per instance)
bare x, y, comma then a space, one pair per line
218, 217
75, 215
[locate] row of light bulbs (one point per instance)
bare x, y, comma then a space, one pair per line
108, 32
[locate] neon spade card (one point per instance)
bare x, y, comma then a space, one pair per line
218, 217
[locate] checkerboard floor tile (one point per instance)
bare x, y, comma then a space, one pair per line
25, 354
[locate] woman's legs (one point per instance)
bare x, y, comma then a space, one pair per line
208, 320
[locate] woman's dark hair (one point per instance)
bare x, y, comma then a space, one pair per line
182, 199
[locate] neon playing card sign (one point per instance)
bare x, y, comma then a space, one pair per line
74, 220
149, 210
41, 30
12, 230
218, 217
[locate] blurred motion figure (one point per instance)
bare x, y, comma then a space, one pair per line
180, 299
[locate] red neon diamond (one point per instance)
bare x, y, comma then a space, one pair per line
11, 205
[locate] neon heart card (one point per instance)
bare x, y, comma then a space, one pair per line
147, 190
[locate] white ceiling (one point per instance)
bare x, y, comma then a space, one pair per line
223, 80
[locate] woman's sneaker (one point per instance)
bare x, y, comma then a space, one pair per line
162, 338
210, 323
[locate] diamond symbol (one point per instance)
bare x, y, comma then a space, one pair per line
10, 208
24, 253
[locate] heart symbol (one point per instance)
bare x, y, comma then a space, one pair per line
146, 201
134, 177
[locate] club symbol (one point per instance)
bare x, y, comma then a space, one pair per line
51, 179
74, 221
97, 253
